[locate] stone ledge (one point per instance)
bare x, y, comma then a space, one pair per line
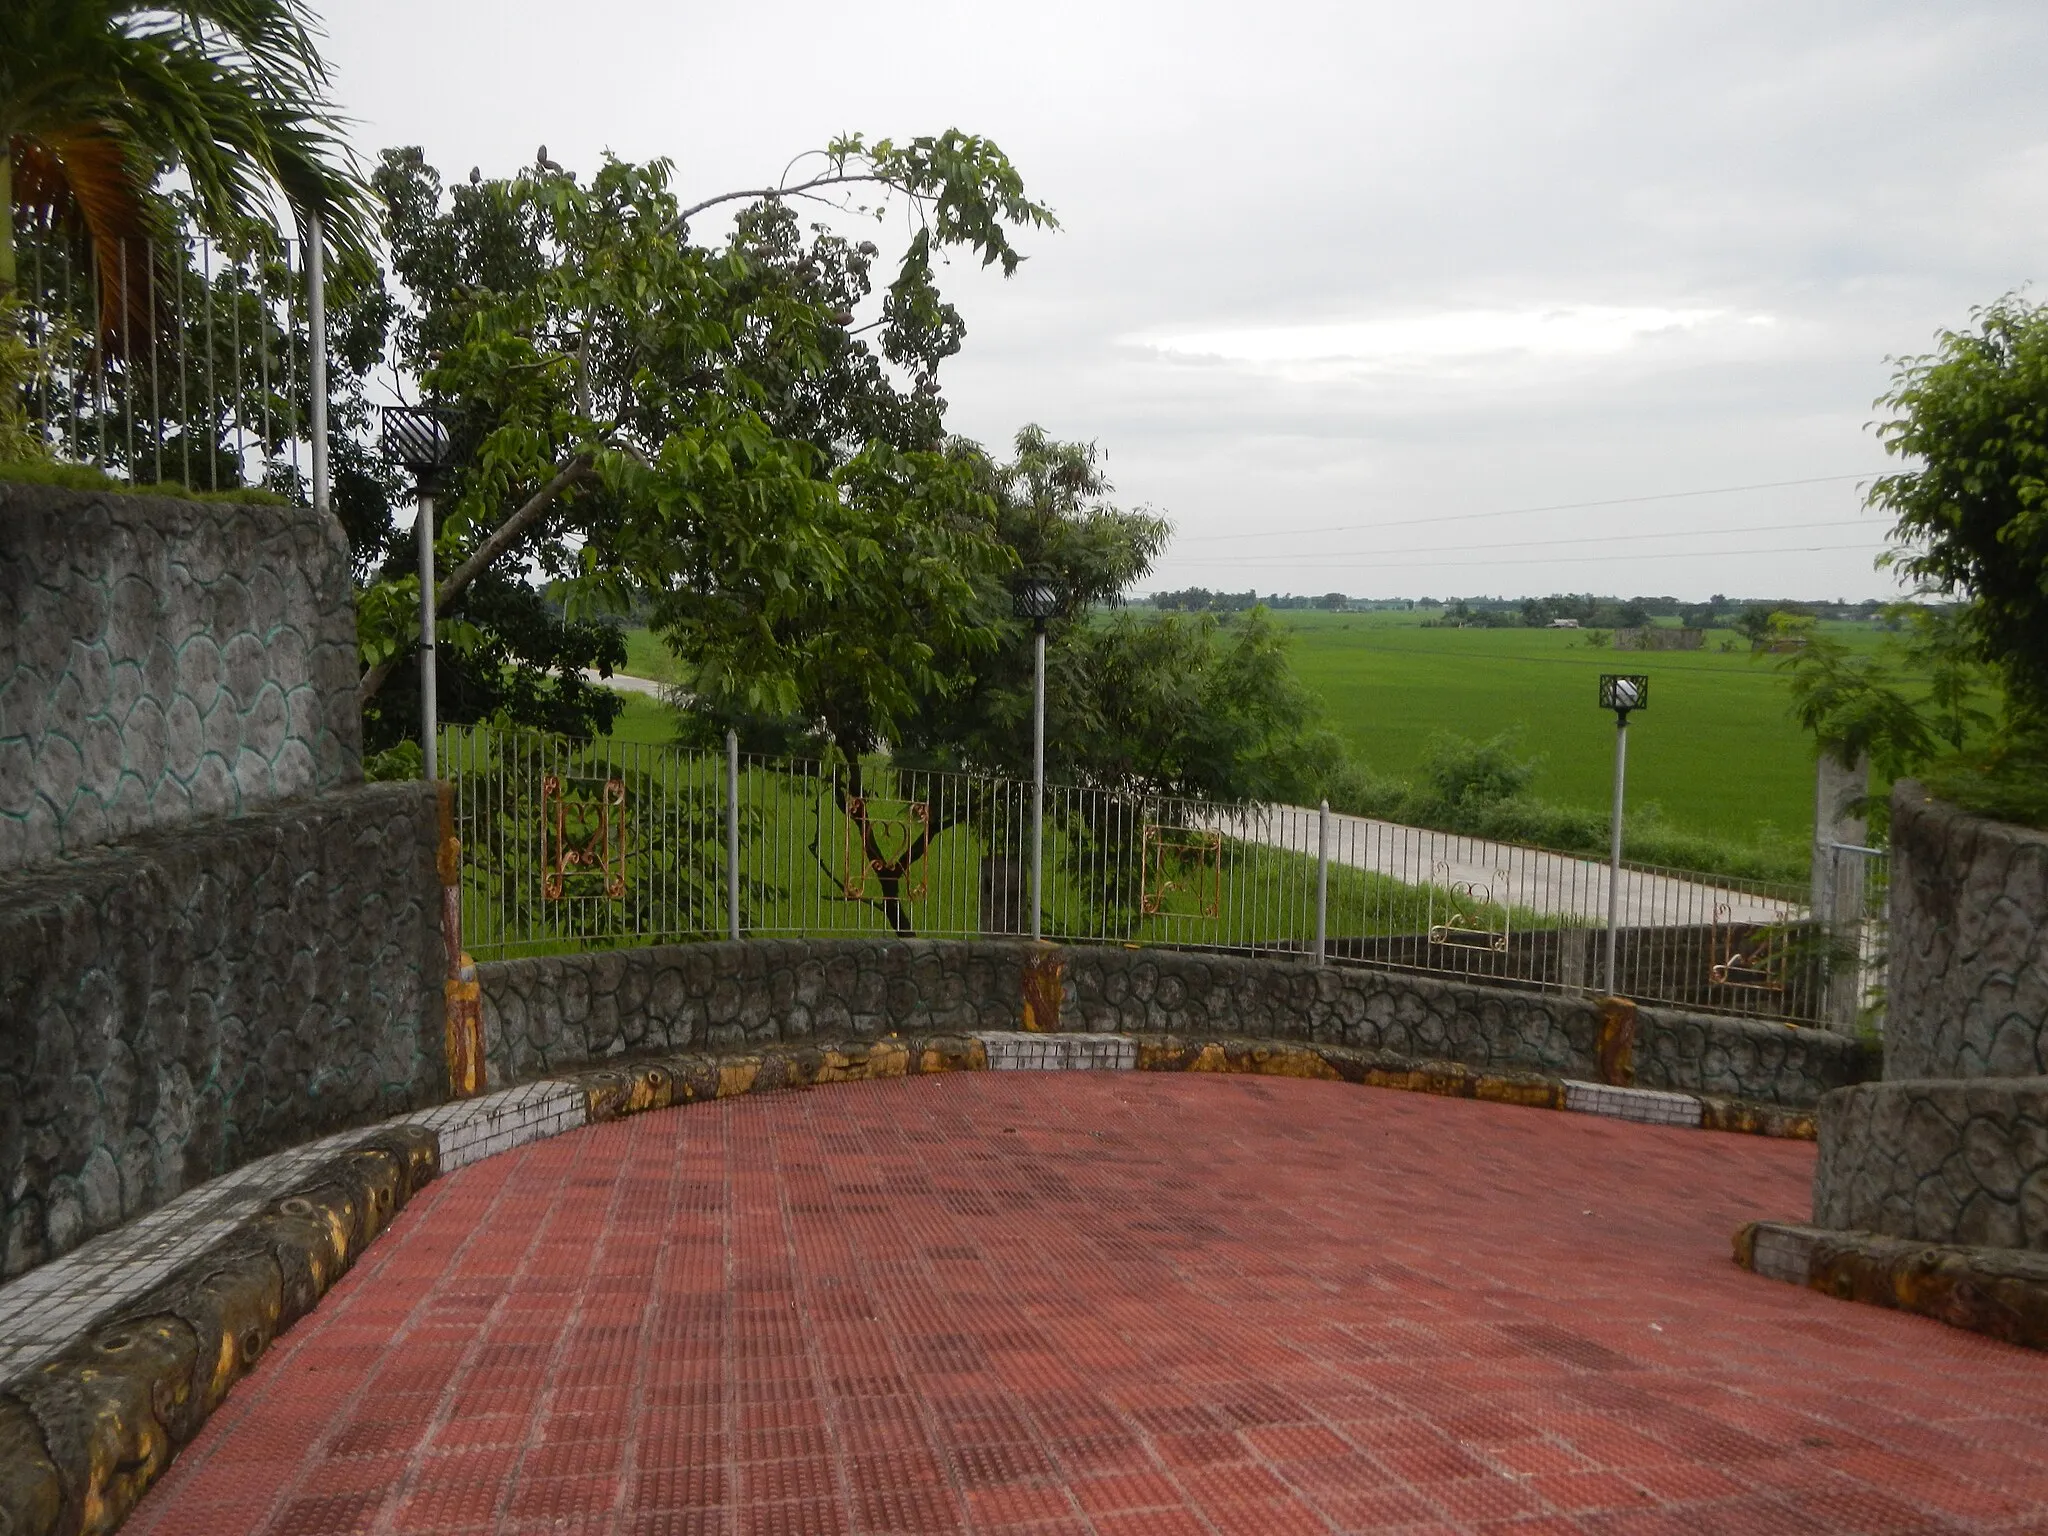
85, 1433
1999, 1292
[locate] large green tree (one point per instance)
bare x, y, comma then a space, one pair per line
1971, 419
709, 431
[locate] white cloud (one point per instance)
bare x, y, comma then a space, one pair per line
1464, 341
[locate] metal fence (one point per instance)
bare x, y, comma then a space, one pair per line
170, 360
571, 844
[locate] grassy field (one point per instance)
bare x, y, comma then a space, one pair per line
1716, 749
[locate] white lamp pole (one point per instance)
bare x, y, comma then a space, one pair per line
1037, 600
1620, 694
417, 437
430, 710
1037, 778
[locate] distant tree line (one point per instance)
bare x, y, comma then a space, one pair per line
1751, 616
1202, 600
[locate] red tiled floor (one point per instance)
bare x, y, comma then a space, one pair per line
1111, 1304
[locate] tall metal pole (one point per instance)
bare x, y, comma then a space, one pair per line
1614, 858
732, 833
316, 332
429, 703
1322, 881
1037, 777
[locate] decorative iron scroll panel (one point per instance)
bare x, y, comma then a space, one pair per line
1468, 907
895, 845
1183, 861
583, 837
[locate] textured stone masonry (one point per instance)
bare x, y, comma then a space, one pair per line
1968, 985
1941, 1161
163, 660
558, 1013
177, 1004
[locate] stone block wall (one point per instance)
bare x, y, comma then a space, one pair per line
178, 1003
1961, 1160
163, 660
1952, 1147
561, 1012
1968, 985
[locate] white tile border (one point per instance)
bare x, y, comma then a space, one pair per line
41, 1311
1645, 1106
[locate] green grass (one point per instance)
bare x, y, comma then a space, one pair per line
1716, 750
644, 719
646, 656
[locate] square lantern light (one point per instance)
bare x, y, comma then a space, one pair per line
416, 438
1036, 600
1624, 691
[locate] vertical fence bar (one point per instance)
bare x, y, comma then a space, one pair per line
732, 834
1322, 881
316, 346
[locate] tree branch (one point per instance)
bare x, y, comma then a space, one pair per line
577, 470
801, 189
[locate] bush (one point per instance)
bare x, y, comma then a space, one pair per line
1479, 789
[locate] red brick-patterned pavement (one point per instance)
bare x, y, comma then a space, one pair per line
1137, 1305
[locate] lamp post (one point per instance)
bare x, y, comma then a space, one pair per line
416, 437
1620, 692
1038, 601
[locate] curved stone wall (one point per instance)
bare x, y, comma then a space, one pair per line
165, 659
177, 1004
1968, 985
1949, 1161
560, 1013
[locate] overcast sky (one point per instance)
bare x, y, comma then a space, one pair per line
1334, 278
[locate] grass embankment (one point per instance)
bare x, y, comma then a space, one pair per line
1719, 775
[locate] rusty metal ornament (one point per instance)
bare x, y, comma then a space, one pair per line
1463, 927
863, 827
1179, 848
602, 850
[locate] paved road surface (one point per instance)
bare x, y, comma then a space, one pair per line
1546, 883
1106, 1304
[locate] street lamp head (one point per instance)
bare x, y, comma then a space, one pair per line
1036, 600
1622, 692
416, 437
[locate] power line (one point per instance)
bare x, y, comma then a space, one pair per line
1562, 506
1668, 554
1590, 538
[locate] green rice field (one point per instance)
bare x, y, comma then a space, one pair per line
1716, 751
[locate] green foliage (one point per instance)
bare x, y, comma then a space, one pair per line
1974, 515
19, 441
1185, 705
394, 764
699, 434
97, 97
